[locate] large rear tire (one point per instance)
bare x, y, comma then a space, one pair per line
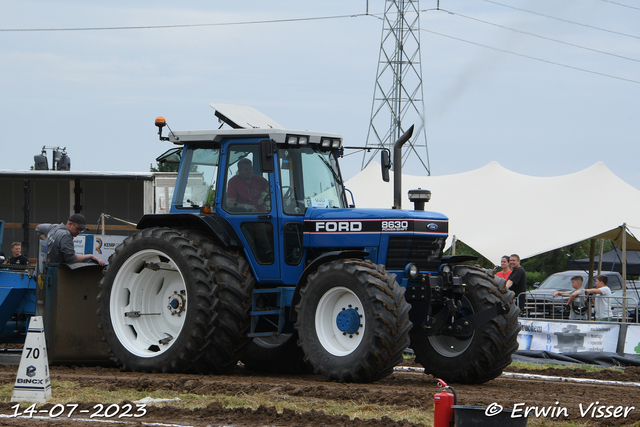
353, 321
484, 355
234, 282
157, 302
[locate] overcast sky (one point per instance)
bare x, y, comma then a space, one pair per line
543, 87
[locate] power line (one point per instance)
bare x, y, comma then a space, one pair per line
542, 37
620, 4
564, 20
148, 27
358, 15
533, 57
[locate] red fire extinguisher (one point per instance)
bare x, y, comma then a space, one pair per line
442, 405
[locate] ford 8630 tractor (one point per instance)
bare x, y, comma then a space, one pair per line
263, 260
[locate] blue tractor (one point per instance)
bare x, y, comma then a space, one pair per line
263, 260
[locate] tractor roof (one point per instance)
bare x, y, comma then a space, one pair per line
247, 122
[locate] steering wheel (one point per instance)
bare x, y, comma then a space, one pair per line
287, 194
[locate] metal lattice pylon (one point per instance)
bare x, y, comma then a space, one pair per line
397, 98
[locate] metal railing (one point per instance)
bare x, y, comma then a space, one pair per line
557, 309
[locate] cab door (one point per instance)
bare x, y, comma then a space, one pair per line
248, 205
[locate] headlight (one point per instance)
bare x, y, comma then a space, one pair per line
412, 271
446, 269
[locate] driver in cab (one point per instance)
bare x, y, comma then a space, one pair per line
245, 192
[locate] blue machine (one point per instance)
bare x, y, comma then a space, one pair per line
64, 295
17, 299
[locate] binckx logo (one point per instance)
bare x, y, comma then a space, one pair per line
31, 371
30, 381
338, 226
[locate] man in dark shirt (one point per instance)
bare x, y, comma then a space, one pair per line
60, 237
517, 281
17, 258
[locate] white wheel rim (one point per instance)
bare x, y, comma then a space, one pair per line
158, 294
333, 339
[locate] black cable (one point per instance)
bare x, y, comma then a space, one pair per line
533, 57
564, 20
620, 4
147, 27
541, 37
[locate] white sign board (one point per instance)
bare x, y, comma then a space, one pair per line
80, 244
632, 341
563, 337
104, 246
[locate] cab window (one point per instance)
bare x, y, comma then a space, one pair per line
201, 166
247, 190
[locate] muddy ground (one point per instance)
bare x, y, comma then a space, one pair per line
401, 390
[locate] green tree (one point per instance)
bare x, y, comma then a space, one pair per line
165, 167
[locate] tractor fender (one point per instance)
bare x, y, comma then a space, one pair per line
313, 266
212, 224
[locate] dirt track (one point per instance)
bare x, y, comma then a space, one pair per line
401, 390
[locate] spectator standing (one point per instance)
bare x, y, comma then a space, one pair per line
506, 270
517, 281
577, 299
603, 302
60, 247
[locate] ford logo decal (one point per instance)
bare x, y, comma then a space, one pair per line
432, 226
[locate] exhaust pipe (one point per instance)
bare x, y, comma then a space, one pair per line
397, 168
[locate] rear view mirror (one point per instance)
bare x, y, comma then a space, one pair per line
266, 156
385, 163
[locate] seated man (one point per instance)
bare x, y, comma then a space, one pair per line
59, 238
246, 190
17, 258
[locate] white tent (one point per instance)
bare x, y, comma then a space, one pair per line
499, 212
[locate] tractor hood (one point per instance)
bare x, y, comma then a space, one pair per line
365, 227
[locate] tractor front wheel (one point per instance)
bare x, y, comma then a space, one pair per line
482, 356
353, 321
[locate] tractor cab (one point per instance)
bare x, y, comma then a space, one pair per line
260, 183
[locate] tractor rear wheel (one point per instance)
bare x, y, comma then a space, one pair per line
353, 321
157, 302
234, 282
482, 356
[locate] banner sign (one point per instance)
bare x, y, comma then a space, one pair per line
564, 337
632, 341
